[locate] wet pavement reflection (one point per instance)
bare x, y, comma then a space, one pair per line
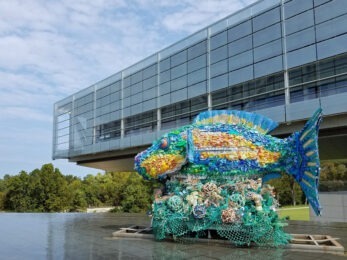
89, 236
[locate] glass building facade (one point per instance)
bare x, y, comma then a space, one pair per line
283, 59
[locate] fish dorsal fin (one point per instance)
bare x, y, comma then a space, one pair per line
260, 123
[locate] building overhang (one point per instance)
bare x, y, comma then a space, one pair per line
332, 146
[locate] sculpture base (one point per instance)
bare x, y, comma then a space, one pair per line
299, 242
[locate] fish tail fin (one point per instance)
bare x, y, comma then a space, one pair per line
307, 169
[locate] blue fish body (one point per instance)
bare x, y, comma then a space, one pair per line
232, 143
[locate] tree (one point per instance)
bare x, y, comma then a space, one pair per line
76, 196
54, 189
136, 197
17, 197
288, 191
48, 190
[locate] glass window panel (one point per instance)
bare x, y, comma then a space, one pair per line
197, 63
115, 114
165, 99
127, 82
301, 56
241, 45
84, 100
136, 98
150, 71
268, 66
179, 71
116, 86
126, 102
267, 35
63, 124
108, 131
265, 101
136, 108
98, 112
179, 95
181, 107
165, 64
264, 20
103, 92
268, 50
126, 92
167, 111
330, 10
197, 76
295, 76
331, 28
136, 77
165, 76
331, 47
126, 111
218, 40
179, 58
136, 88
116, 105
179, 83
341, 64
219, 54
320, 2
63, 139
299, 22
220, 97
168, 123
260, 85
218, 68
275, 81
327, 87
249, 89
103, 101
240, 75
294, 7
219, 82
197, 49
64, 108
302, 74
149, 104
197, 89
326, 68
341, 84
165, 88
236, 92
115, 96
149, 93
300, 39
240, 60
304, 92
150, 82
239, 31
198, 103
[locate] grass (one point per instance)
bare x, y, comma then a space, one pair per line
300, 212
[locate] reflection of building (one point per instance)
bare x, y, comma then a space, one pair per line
280, 58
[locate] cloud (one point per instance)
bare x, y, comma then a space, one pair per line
25, 113
199, 14
52, 49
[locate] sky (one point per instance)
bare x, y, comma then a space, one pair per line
52, 49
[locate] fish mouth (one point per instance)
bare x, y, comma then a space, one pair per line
160, 164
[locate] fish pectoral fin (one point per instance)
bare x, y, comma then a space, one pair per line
270, 176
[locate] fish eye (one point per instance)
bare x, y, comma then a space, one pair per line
164, 143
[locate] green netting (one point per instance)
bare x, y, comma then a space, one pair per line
240, 210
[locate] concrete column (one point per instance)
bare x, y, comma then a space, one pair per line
209, 98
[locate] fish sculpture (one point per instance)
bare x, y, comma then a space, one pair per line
229, 143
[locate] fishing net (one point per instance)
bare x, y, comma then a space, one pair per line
241, 210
